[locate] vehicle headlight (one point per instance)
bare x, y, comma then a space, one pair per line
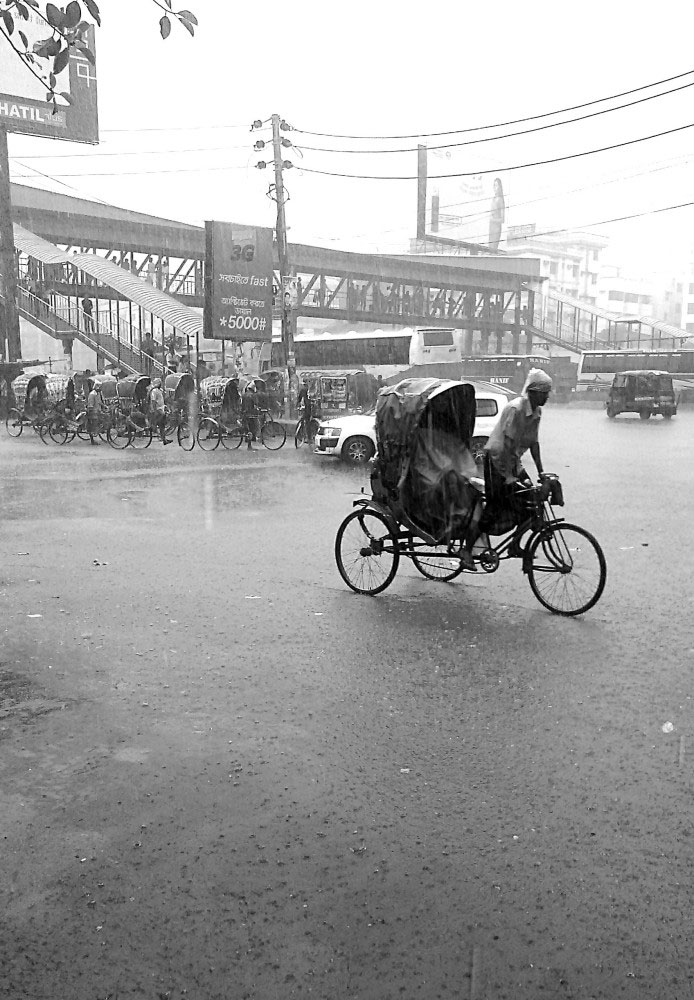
330, 431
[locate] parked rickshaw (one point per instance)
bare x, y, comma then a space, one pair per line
275, 388
425, 493
644, 392
69, 419
181, 398
234, 412
36, 395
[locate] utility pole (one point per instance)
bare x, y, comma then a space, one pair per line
287, 312
8, 273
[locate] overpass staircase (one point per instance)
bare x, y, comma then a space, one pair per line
61, 323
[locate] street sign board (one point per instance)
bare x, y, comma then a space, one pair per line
238, 282
23, 104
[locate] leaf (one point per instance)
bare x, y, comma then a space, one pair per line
93, 10
8, 21
49, 96
187, 16
66, 97
25, 41
61, 61
32, 3
51, 81
165, 26
73, 14
87, 53
54, 16
22, 11
188, 26
168, 3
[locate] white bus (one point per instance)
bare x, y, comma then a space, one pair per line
596, 369
435, 345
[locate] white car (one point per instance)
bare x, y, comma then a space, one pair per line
353, 438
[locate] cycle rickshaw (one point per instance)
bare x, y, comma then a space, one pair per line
424, 493
130, 425
37, 397
181, 400
233, 415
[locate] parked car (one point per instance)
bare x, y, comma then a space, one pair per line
642, 392
353, 438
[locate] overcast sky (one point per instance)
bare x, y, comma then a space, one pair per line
175, 117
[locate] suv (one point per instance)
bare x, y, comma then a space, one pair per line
353, 438
642, 392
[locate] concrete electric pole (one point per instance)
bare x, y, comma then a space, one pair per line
8, 273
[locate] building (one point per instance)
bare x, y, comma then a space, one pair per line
571, 261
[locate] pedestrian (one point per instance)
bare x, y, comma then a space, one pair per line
95, 405
157, 410
88, 310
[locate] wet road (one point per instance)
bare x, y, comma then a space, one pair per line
224, 775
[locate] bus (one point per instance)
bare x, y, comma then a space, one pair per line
510, 370
596, 369
377, 352
435, 345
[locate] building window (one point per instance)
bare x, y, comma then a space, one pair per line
614, 296
553, 268
690, 308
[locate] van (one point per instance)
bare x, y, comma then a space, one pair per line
643, 392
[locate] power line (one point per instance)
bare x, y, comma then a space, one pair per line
133, 152
508, 135
516, 121
141, 173
498, 170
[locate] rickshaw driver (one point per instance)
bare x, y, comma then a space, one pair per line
303, 399
95, 406
157, 410
516, 432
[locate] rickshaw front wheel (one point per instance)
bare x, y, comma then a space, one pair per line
433, 566
13, 423
366, 552
566, 569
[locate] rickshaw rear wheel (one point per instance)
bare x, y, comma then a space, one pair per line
119, 434
185, 436
273, 435
13, 423
208, 434
366, 552
566, 569
59, 432
433, 566
142, 437
645, 414
232, 438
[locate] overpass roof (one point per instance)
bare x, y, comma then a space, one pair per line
62, 218
166, 307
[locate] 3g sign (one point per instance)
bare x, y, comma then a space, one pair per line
245, 252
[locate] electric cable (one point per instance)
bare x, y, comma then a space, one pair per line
498, 170
508, 135
516, 121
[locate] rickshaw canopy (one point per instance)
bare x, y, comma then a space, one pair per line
179, 385
25, 384
341, 391
220, 392
424, 429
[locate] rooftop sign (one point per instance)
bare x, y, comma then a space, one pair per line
23, 104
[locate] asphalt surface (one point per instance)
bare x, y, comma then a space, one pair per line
224, 775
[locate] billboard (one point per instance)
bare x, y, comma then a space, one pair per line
238, 282
466, 206
23, 104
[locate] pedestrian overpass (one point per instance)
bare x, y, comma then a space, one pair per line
146, 275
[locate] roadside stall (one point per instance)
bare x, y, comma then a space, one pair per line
341, 392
